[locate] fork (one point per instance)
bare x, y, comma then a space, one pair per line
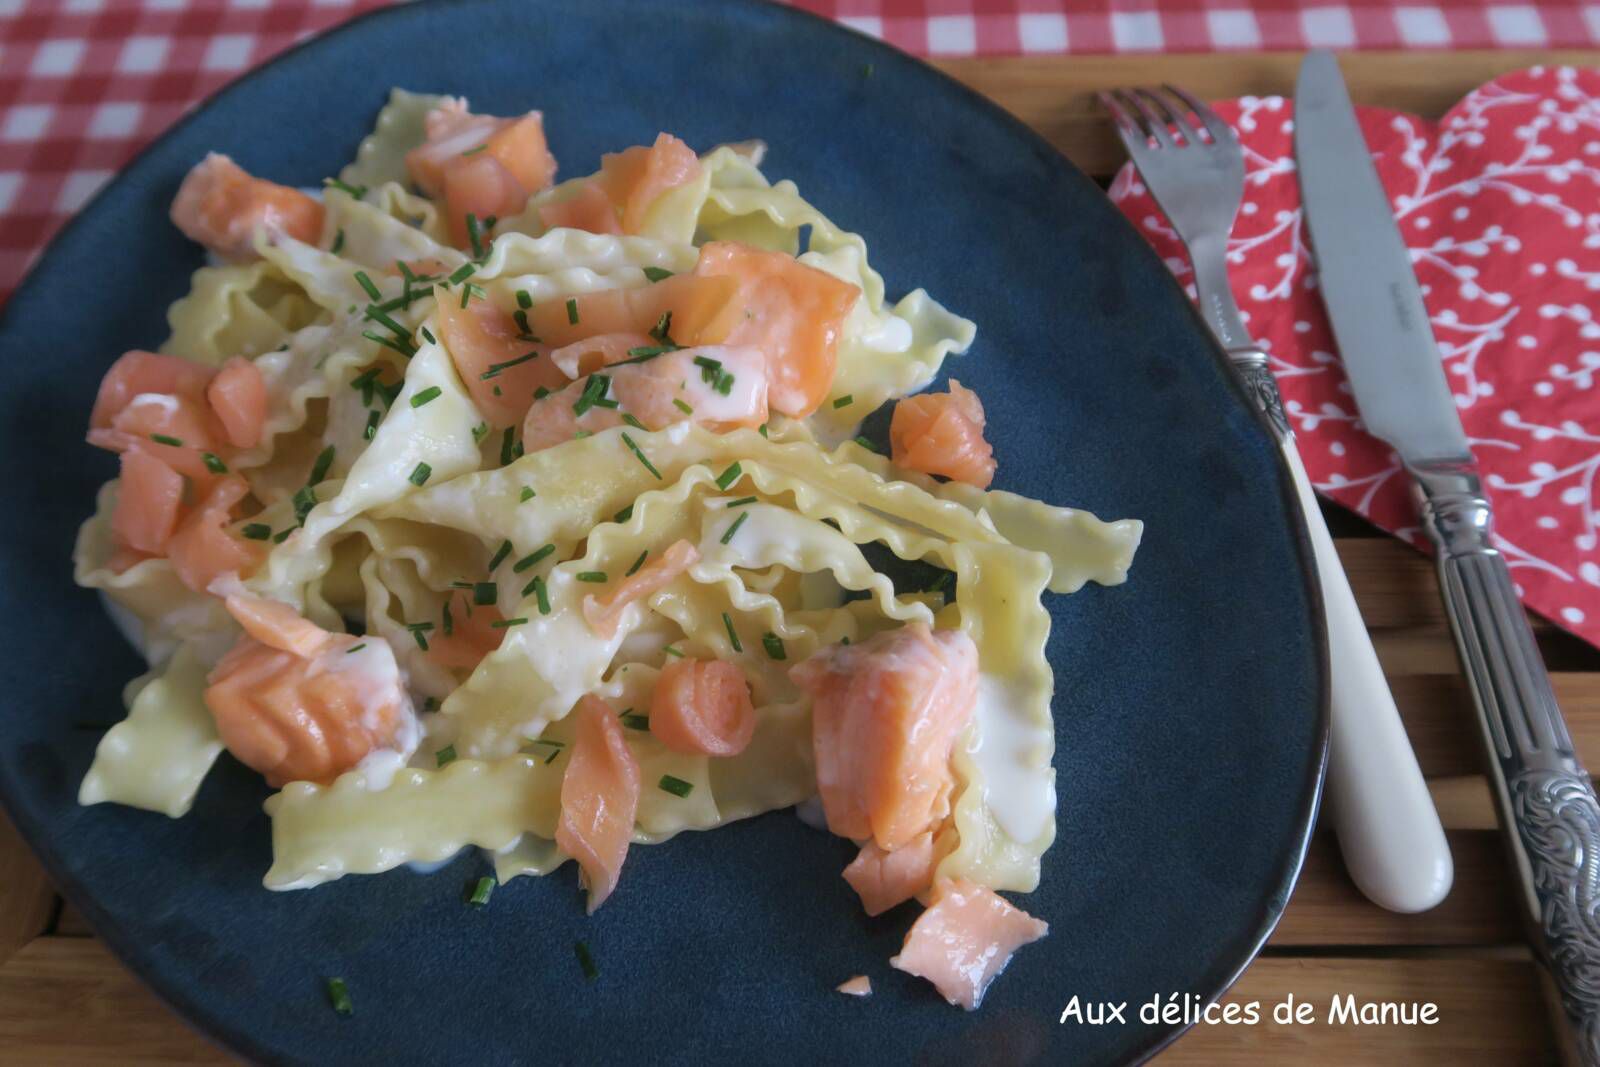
1389, 831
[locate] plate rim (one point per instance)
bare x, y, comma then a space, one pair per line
1220, 977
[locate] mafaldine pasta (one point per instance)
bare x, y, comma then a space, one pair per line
474, 510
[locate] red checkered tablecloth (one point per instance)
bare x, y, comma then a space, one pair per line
85, 83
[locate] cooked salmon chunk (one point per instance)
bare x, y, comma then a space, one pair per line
221, 206
965, 939
885, 714
702, 708
884, 880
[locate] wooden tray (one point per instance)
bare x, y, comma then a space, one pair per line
65, 999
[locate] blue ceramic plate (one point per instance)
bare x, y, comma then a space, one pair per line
1189, 702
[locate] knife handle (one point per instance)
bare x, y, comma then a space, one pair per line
1546, 800
1388, 827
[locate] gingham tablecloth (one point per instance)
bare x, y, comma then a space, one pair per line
84, 84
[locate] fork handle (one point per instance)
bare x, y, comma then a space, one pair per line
1394, 846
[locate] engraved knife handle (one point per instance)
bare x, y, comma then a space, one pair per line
1547, 803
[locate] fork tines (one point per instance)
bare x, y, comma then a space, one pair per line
1151, 114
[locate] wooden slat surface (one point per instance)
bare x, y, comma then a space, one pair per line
63, 999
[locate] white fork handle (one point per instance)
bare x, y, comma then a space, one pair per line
1389, 831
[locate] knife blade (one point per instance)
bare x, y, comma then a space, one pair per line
1379, 320
1546, 801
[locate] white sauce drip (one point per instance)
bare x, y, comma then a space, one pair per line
1019, 788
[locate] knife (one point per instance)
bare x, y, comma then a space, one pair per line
1546, 801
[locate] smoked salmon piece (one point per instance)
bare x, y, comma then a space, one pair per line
703, 311
885, 714
603, 613
942, 433
791, 311
596, 353
965, 939
885, 879
480, 165
472, 635
635, 178
238, 397
599, 798
715, 387
702, 708
149, 497
304, 717
220, 206
588, 209
483, 344
203, 549
859, 986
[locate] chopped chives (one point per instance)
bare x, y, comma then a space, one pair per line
541, 593
369, 285
363, 382
709, 368
495, 368
656, 274
405, 348
624, 515
372, 425
475, 236
637, 564
444, 756
382, 318
485, 593
357, 191
213, 463
431, 704
319, 469
355, 648
634, 448
421, 638
432, 392
448, 621
305, 498
581, 434
479, 432
586, 961
663, 329
628, 418
555, 747
339, 994
524, 331
741, 502
419, 474
572, 310
593, 390
727, 537
866, 444
166, 439
500, 555
532, 559
844, 401
481, 891
524, 301
733, 636
762, 430
338, 243
506, 441
774, 645
470, 290
644, 352
282, 535
669, 650
504, 623
527, 494
389, 393
257, 531
462, 273
676, 786
540, 393
678, 403
428, 336
729, 476
591, 576
634, 721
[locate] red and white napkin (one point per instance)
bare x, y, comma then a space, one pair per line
1499, 203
